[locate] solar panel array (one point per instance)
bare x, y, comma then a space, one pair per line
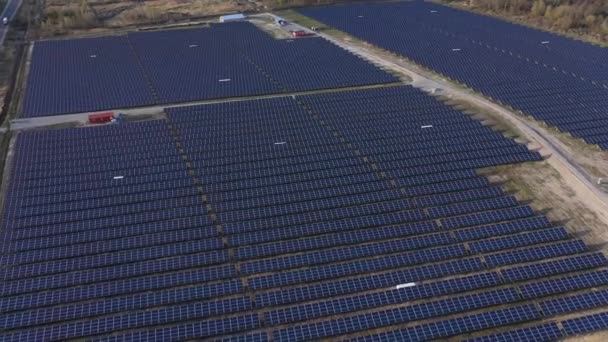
159, 67
290, 218
560, 81
81, 75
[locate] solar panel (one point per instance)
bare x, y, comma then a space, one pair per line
458, 325
554, 267
552, 78
123, 320
377, 299
378, 319
564, 284
355, 267
135, 70
585, 324
367, 282
548, 235
254, 337
579, 302
337, 228
544, 332
535, 253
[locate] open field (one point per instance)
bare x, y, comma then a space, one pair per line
86, 17
72, 17
264, 187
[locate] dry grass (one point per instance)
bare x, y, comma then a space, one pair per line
79, 17
172, 10
575, 14
7, 61
543, 186
600, 336
63, 17
590, 157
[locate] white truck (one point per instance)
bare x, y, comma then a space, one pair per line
5, 21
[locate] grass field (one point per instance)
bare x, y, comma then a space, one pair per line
73, 16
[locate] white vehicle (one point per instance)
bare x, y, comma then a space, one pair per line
5, 21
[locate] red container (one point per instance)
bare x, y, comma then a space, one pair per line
101, 118
297, 34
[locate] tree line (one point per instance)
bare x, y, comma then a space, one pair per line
586, 16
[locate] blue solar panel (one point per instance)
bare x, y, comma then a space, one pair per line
405, 314
378, 299
548, 235
539, 333
90, 74
123, 320
199, 329
328, 215
220, 61
564, 284
350, 237
578, 302
456, 326
488, 217
332, 226
552, 78
554, 267
505, 228
475, 206
361, 213
367, 282
188, 240
536, 253
116, 274
460, 196
344, 253
254, 337
356, 267
30, 239
586, 324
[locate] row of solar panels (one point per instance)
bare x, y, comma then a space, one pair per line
561, 81
387, 317
299, 246
161, 67
103, 268
300, 312
551, 287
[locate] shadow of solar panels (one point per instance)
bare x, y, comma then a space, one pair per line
316, 217
159, 67
560, 81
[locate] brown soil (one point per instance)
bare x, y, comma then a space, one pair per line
68, 17
600, 336
547, 191
7, 56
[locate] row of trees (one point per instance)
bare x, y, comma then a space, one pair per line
587, 15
